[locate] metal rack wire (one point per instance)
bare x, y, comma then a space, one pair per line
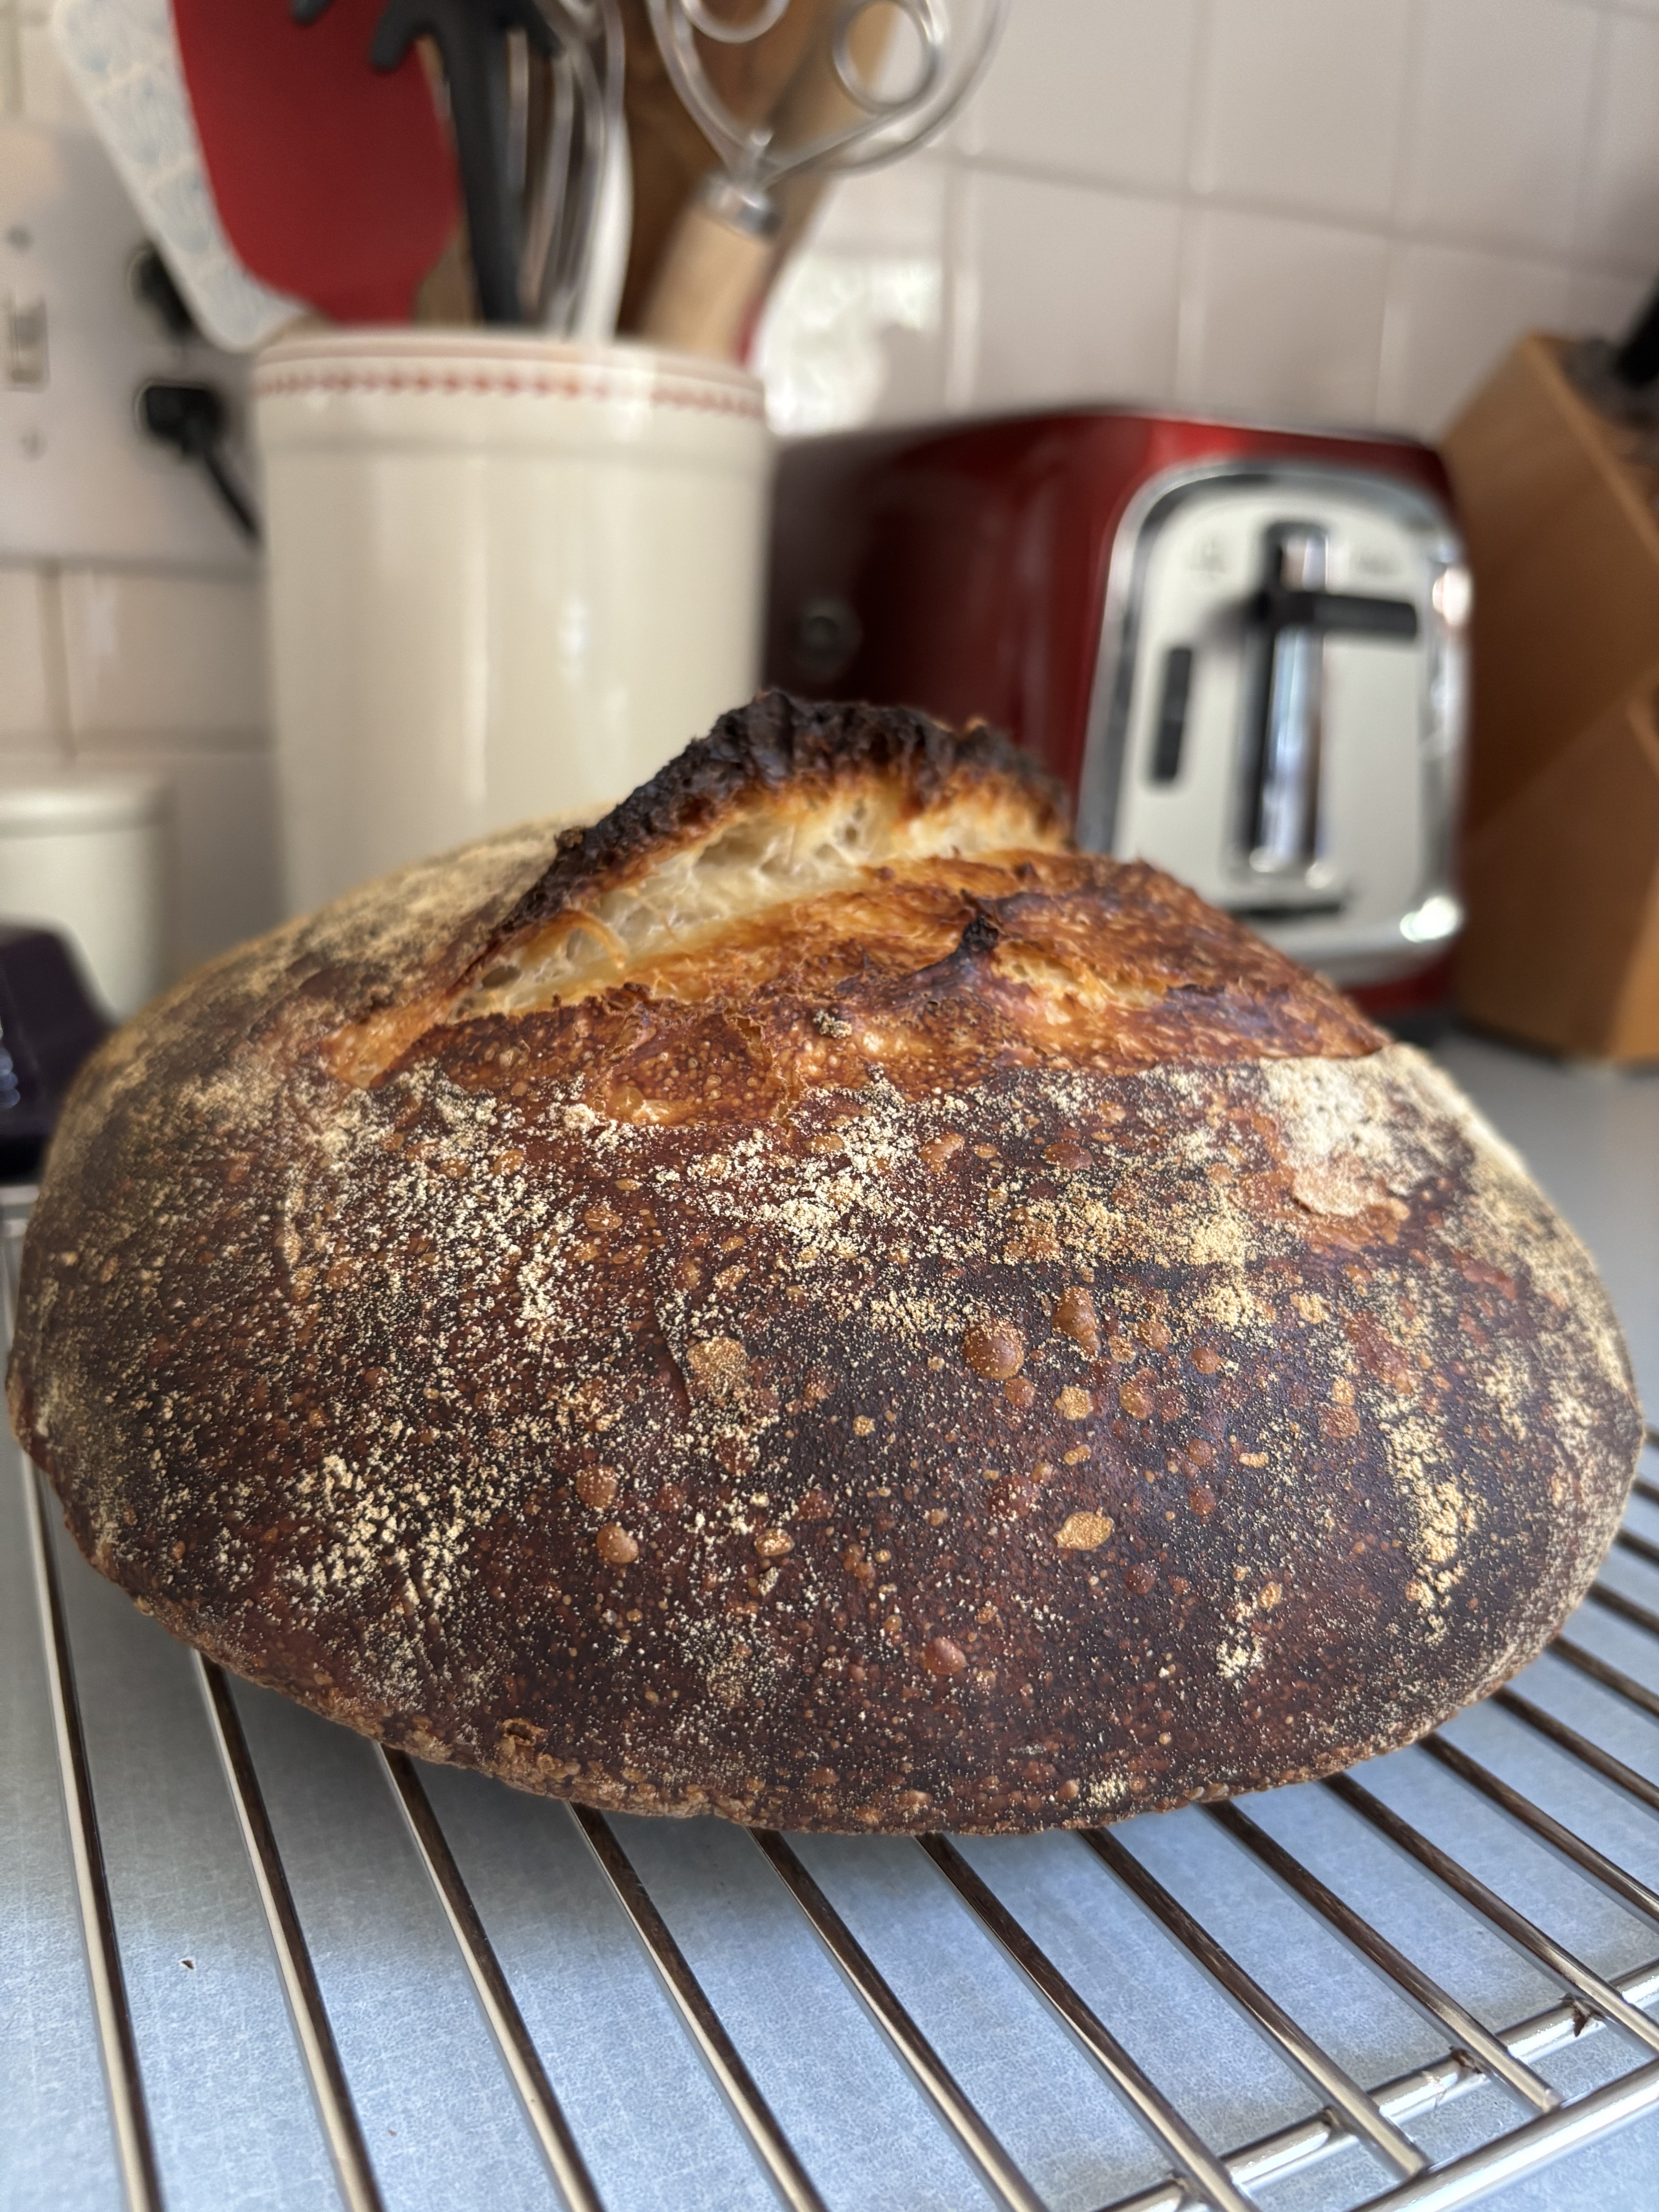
1534, 2119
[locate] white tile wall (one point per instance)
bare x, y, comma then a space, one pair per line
11, 64
861, 323
1497, 137
1455, 310
1282, 317
45, 93
30, 719
1619, 217
171, 658
225, 887
1301, 103
1322, 210
1071, 288
153, 665
1096, 89
124, 670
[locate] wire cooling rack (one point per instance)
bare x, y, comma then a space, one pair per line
254, 1960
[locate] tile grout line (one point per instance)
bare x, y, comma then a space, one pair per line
54, 659
1487, 245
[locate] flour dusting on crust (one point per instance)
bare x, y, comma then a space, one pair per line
962, 1335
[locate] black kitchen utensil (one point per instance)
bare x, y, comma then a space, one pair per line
1636, 362
470, 37
193, 419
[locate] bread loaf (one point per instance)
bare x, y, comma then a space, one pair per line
811, 1300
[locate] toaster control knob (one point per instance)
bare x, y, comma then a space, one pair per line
828, 633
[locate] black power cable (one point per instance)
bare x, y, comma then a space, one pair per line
470, 39
191, 419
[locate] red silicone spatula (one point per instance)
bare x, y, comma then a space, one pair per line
333, 180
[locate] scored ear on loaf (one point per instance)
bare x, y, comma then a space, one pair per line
811, 1299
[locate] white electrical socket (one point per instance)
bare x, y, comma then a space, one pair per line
78, 480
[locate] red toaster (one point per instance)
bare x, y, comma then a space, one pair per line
1243, 649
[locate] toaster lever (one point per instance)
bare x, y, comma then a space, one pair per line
1290, 618
1331, 612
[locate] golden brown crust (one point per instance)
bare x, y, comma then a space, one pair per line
930, 977
987, 1344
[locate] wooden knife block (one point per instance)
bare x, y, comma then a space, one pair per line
1561, 861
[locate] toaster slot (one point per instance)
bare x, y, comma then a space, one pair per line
1171, 733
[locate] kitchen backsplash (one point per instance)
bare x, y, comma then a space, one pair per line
1341, 210
1338, 210
130, 616
160, 670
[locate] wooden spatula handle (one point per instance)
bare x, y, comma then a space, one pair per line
706, 285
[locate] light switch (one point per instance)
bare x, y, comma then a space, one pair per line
78, 482
26, 343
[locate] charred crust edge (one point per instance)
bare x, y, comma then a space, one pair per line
776, 743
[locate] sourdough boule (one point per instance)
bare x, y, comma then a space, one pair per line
813, 1301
